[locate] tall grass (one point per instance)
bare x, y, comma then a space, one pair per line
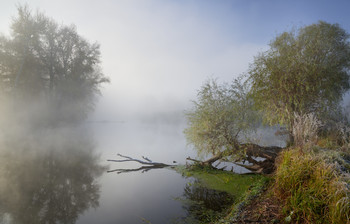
305, 128
314, 188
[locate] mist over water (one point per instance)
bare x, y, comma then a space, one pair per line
47, 175
55, 171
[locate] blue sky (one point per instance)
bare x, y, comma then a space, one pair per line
158, 52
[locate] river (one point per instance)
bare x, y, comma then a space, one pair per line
60, 175
136, 196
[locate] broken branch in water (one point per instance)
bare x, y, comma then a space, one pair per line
268, 155
148, 162
143, 169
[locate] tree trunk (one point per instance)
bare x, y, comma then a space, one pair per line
267, 154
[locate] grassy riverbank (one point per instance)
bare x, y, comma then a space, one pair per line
241, 188
314, 185
310, 185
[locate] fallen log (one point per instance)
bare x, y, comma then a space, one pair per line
146, 161
265, 165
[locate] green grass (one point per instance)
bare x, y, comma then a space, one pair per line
314, 186
243, 188
234, 184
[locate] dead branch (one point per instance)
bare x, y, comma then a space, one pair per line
143, 169
194, 160
129, 159
252, 151
149, 164
209, 161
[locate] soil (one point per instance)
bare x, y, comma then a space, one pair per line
266, 208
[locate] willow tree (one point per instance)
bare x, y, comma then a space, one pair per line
220, 122
304, 71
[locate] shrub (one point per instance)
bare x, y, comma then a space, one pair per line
335, 135
316, 189
343, 134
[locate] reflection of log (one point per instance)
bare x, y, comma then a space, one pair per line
148, 162
143, 169
264, 165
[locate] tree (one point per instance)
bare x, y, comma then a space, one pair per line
42, 59
304, 71
221, 115
220, 123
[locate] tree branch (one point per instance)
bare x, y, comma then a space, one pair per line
142, 168
149, 164
129, 159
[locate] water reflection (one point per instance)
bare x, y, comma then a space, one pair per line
48, 177
203, 205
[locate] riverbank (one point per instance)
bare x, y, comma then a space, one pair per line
240, 189
310, 185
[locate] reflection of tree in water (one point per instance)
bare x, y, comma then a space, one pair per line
202, 204
48, 179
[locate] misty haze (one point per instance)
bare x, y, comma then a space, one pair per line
174, 112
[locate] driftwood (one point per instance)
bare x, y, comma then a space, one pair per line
149, 164
265, 164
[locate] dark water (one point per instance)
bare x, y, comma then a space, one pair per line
203, 205
60, 175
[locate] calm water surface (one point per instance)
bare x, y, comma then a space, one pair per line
60, 175
136, 196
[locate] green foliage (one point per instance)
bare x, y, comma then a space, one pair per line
315, 186
254, 191
243, 188
304, 71
221, 115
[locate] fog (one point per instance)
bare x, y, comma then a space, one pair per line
158, 53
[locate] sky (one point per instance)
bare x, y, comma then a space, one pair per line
158, 53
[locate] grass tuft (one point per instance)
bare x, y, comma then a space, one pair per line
315, 186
